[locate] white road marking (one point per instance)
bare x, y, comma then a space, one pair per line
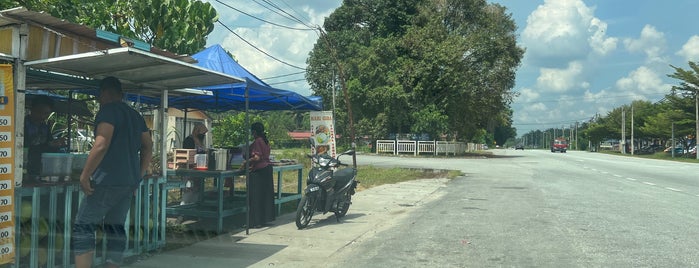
631, 179
604, 172
649, 183
673, 189
618, 176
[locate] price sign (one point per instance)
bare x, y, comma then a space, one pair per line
6, 250
5, 152
5, 217
5, 169
5, 136
6, 234
7, 164
5, 201
5, 121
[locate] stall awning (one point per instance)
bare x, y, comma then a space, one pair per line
140, 72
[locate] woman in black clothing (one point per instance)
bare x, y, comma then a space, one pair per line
261, 188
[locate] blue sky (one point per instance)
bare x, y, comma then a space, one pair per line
583, 57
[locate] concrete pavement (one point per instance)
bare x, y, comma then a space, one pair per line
283, 245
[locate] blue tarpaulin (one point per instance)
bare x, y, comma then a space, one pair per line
226, 97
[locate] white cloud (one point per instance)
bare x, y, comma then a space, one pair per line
290, 46
690, 49
642, 83
528, 95
599, 42
651, 42
560, 80
565, 30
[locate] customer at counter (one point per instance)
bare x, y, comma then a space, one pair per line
37, 135
261, 188
115, 167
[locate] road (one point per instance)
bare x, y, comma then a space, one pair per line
541, 209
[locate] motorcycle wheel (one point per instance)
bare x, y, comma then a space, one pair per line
304, 212
344, 206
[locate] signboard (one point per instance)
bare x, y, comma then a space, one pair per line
7, 160
323, 133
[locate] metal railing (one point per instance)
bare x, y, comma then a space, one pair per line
425, 147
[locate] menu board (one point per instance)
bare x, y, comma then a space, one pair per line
323, 133
7, 160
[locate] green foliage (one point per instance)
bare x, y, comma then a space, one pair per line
442, 67
232, 130
180, 26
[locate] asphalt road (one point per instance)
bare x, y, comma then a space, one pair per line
541, 209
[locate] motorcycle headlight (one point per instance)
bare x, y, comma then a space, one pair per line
323, 162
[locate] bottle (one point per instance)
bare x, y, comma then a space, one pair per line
212, 159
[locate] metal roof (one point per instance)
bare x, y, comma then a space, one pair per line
140, 72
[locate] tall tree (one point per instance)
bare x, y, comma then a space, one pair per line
423, 65
179, 26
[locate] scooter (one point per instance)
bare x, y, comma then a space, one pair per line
328, 188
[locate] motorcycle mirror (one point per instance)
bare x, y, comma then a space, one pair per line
350, 152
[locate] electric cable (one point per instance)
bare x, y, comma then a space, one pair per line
260, 19
258, 49
283, 75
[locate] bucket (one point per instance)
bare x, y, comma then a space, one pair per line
200, 160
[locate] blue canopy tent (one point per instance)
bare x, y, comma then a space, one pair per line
258, 94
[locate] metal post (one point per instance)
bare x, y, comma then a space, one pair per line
673, 140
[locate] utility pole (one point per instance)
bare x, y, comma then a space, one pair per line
632, 145
622, 144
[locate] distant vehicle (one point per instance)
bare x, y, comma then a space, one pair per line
519, 147
559, 145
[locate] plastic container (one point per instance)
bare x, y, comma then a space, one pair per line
56, 164
200, 160
78, 163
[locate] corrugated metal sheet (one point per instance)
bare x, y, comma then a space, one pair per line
140, 72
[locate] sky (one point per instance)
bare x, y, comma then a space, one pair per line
583, 57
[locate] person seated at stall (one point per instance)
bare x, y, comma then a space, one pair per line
37, 135
194, 141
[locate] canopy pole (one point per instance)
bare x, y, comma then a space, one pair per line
247, 158
163, 128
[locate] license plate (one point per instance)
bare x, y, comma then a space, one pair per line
314, 188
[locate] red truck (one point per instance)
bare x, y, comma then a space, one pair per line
560, 145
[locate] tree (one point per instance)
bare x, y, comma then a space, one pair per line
423, 65
180, 26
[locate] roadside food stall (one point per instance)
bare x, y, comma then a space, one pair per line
252, 94
38, 51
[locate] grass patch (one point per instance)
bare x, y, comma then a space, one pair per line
658, 156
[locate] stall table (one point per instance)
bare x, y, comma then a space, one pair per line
217, 208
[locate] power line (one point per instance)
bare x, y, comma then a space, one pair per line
283, 11
261, 19
283, 75
258, 49
290, 81
276, 12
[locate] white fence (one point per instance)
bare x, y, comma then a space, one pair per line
425, 147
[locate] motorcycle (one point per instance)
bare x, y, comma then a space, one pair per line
328, 188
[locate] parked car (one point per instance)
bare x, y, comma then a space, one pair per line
519, 147
678, 150
80, 139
